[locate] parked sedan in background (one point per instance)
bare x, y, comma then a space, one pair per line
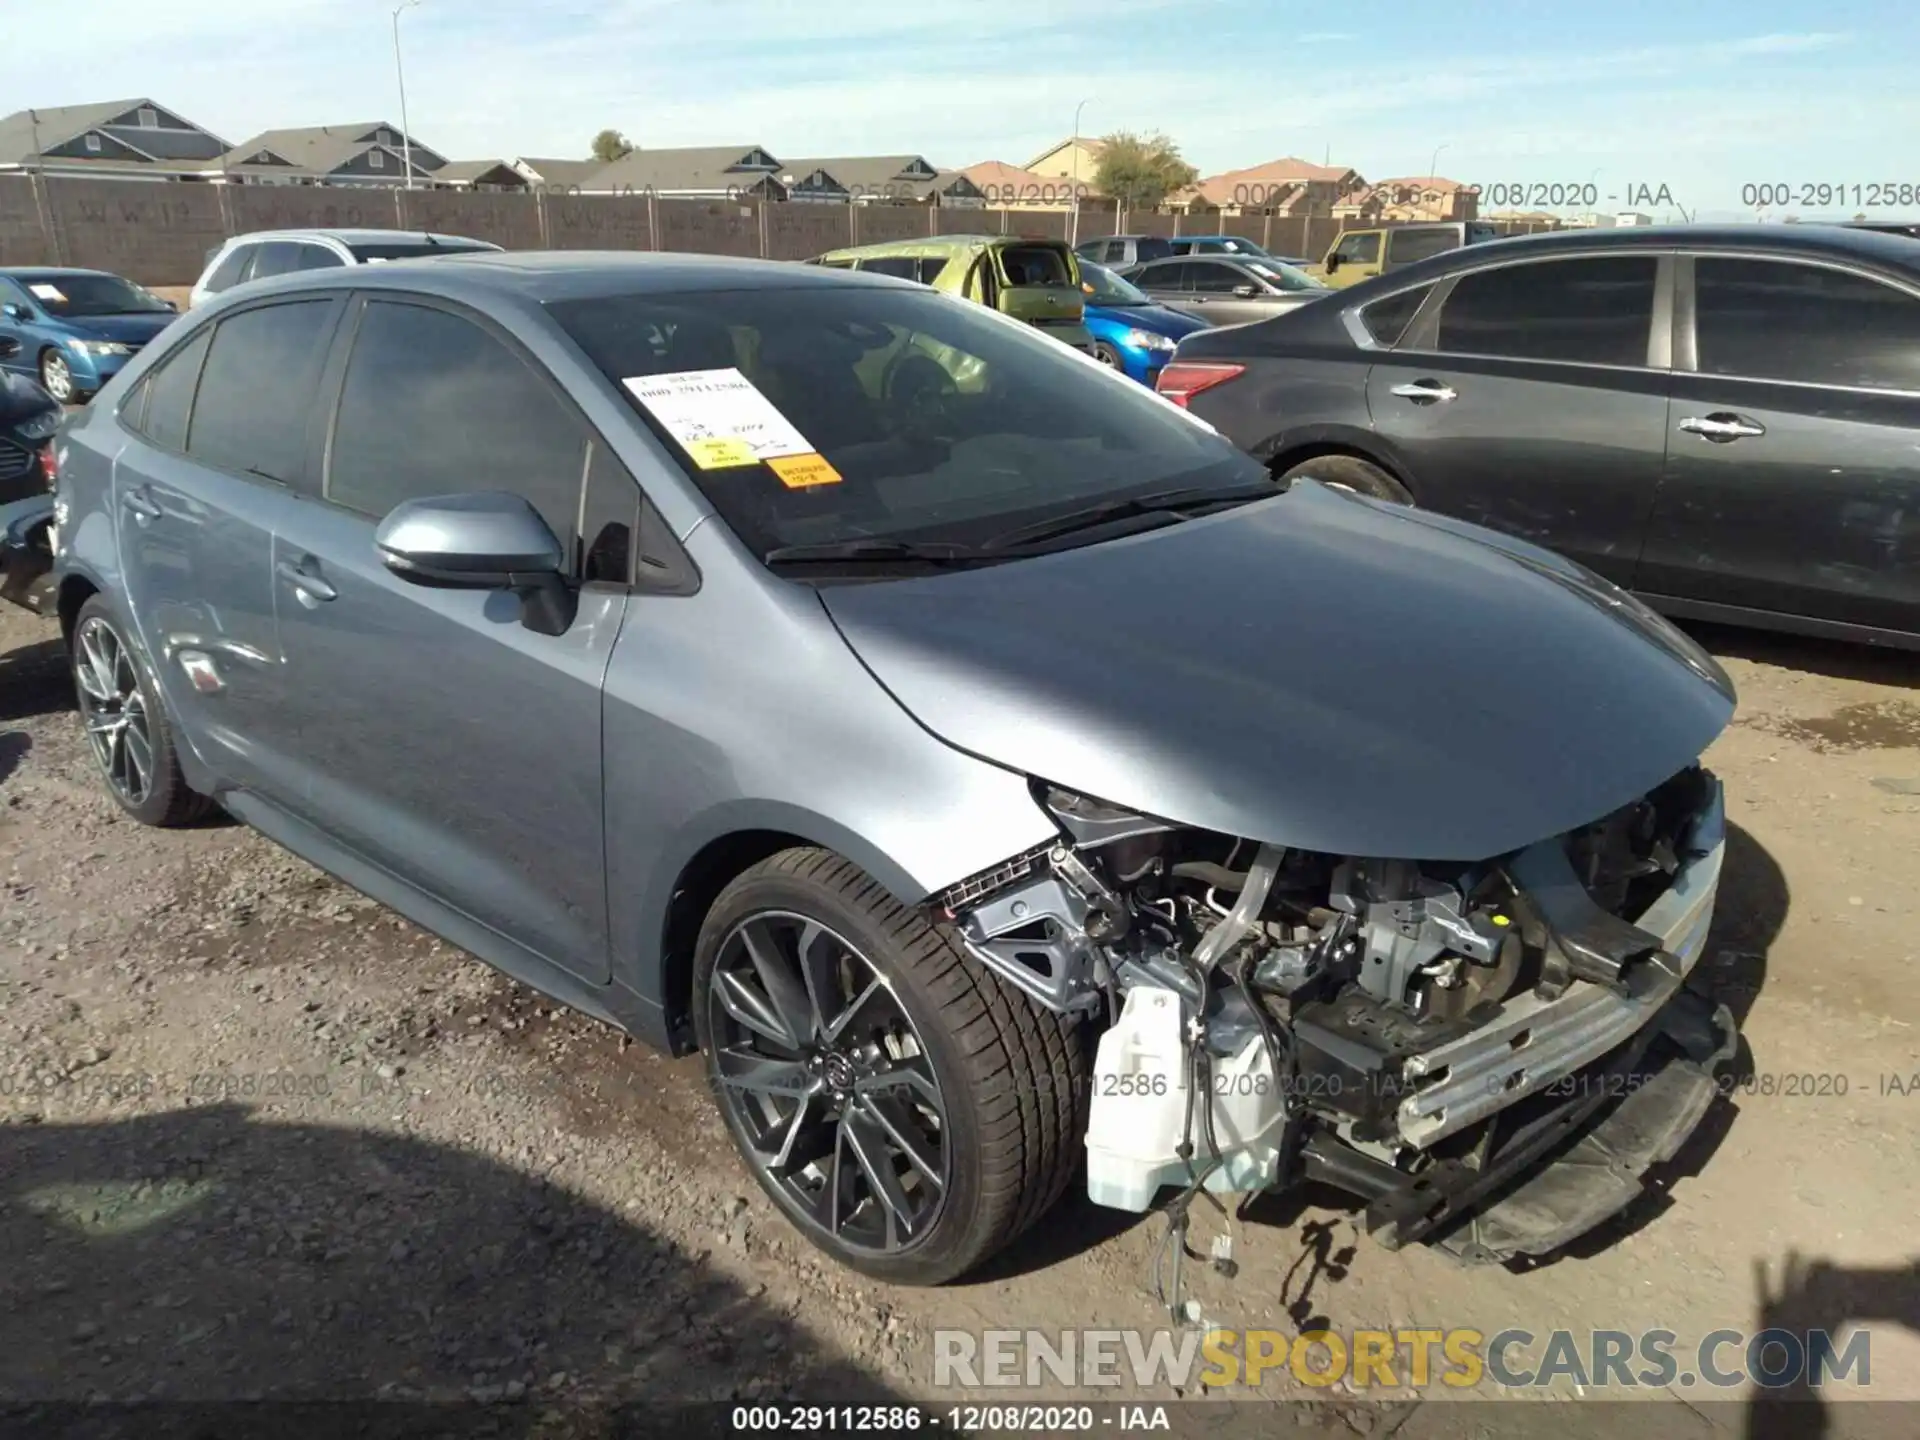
1226, 290
75, 328
1723, 419
1129, 331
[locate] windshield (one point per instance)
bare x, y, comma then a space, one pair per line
1284, 276
73, 296
414, 249
1103, 287
837, 413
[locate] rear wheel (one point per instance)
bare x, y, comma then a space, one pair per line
128, 729
1349, 472
906, 1111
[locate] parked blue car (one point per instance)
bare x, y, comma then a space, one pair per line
1129, 331
76, 328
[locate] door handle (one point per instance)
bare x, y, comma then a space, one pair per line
1721, 427
306, 585
141, 504
1426, 392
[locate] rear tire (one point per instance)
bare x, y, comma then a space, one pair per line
934, 1037
1349, 472
128, 728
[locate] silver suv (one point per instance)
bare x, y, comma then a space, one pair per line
266, 253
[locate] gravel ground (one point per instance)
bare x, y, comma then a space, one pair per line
259, 1136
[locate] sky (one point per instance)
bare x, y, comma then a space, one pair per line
1732, 106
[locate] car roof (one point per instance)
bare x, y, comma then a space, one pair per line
35, 272
543, 276
357, 236
1899, 250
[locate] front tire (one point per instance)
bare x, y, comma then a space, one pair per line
128, 728
1349, 472
1108, 356
908, 1112
56, 378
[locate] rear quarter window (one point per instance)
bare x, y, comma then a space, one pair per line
1387, 318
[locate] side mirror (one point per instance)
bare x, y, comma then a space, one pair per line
1246, 292
13, 310
9, 347
1333, 261
173, 305
490, 540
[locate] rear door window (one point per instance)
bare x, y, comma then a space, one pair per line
256, 390
318, 257
1406, 246
1034, 265
1165, 275
1362, 247
1593, 311
898, 266
1215, 277
495, 423
276, 257
1775, 320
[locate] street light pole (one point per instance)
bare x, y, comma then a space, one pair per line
1073, 235
400, 70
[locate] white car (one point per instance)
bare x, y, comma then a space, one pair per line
280, 252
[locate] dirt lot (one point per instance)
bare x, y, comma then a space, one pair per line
263, 1137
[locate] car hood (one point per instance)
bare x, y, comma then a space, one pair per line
1156, 318
127, 329
1314, 670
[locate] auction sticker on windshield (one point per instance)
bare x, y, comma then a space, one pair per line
718, 417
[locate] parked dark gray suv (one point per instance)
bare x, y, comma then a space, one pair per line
974, 755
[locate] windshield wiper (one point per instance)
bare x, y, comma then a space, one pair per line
909, 551
1189, 497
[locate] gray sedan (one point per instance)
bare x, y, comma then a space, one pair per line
1227, 291
969, 751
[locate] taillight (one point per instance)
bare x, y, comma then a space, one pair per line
49, 468
1181, 380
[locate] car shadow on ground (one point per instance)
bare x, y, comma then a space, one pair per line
1837, 659
1801, 1296
34, 681
209, 1255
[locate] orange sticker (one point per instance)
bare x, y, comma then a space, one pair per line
797, 472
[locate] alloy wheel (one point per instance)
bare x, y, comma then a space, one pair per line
114, 709
827, 1083
56, 377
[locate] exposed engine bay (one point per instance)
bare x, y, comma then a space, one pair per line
1421, 1033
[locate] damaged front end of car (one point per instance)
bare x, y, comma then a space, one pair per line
1491, 1054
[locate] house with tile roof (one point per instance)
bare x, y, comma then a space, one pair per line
1287, 186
